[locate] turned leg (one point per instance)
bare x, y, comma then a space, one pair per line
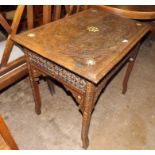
127, 75
35, 90
50, 85
88, 107
129, 68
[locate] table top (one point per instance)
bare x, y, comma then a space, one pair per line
89, 43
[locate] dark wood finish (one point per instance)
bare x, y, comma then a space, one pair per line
83, 56
142, 12
5, 134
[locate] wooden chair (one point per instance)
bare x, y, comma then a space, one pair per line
14, 70
10, 72
6, 140
50, 13
70, 9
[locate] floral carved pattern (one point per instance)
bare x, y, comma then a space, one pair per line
58, 71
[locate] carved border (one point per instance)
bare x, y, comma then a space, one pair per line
58, 71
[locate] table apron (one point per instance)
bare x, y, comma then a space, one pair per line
115, 69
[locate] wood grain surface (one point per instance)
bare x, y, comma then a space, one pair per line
89, 43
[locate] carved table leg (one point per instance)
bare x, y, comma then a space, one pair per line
88, 107
129, 68
128, 72
50, 85
35, 90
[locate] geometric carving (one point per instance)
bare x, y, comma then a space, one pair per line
58, 71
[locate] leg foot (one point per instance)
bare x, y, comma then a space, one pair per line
127, 75
85, 130
87, 112
85, 143
130, 67
38, 111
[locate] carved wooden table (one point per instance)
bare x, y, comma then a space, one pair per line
82, 52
